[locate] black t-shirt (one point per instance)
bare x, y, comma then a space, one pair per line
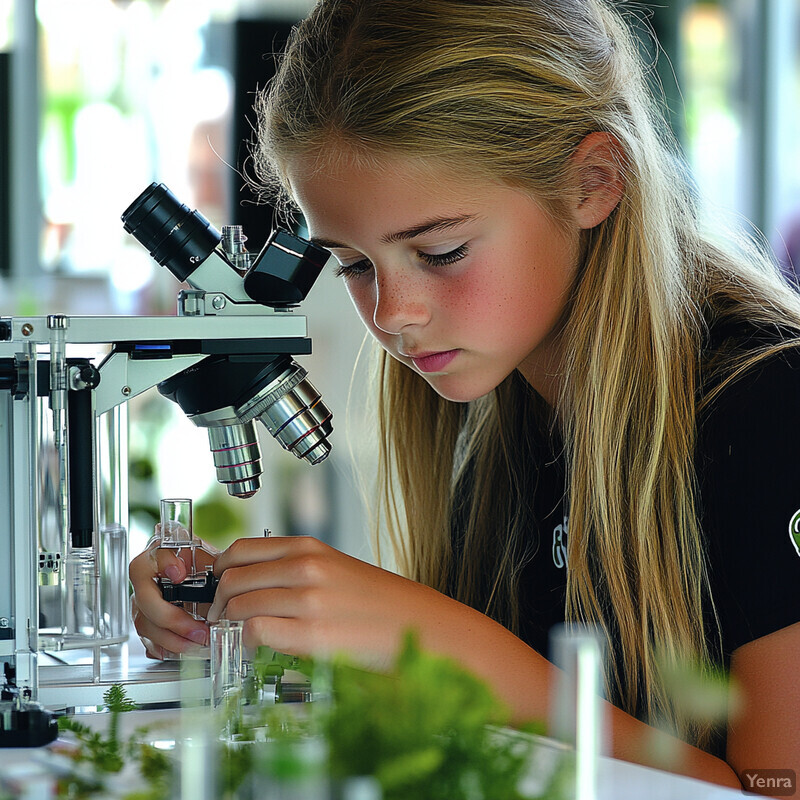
748, 469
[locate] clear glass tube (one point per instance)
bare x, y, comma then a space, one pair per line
578, 703
176, 534
79, 593
114, 597
176, 528
227, 671
176, 522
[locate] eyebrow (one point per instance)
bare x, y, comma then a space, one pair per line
430, 226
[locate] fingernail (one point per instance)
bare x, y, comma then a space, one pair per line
173, 573
199, 636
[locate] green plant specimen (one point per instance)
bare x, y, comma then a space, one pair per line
103, 755
426, 729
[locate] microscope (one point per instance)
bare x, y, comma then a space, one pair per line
226, 358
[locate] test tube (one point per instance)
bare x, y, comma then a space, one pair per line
176, 534
578, 703
114, 599
79, 597
176, 522
227, 671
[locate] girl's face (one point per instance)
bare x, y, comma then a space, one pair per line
462, 281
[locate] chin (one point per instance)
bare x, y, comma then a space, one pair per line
458, 391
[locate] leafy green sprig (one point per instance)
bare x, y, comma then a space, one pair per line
105, 755
426, 729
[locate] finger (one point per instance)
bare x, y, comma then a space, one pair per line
163, 638
134, 608
194, 559
152, 650
280, 602
241, 580
162, 614
177, 563
299, 638
156, 561
284, 635
205, 552
203, 559
252, 551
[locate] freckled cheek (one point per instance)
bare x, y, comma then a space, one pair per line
479, 296
489, 297
464, 299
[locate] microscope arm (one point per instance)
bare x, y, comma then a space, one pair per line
123, 377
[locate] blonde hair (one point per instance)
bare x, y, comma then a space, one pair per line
506, 90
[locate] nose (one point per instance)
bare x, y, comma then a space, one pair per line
400, 301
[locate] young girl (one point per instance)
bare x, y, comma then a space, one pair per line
586, 405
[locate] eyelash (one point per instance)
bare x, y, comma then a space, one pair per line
359, 268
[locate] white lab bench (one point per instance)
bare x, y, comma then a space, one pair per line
150, 682
617, 780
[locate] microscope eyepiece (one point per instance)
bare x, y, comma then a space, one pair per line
175, 236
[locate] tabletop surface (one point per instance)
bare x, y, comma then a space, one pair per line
616, 780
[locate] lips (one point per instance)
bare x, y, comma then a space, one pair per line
433, 362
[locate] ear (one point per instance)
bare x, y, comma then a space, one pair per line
598, 180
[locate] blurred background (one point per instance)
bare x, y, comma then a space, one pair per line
100, 97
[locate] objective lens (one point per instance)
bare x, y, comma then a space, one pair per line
237, 458
293, 412
275, 391
235, 449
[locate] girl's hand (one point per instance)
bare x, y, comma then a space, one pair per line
161, 625
302, 597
